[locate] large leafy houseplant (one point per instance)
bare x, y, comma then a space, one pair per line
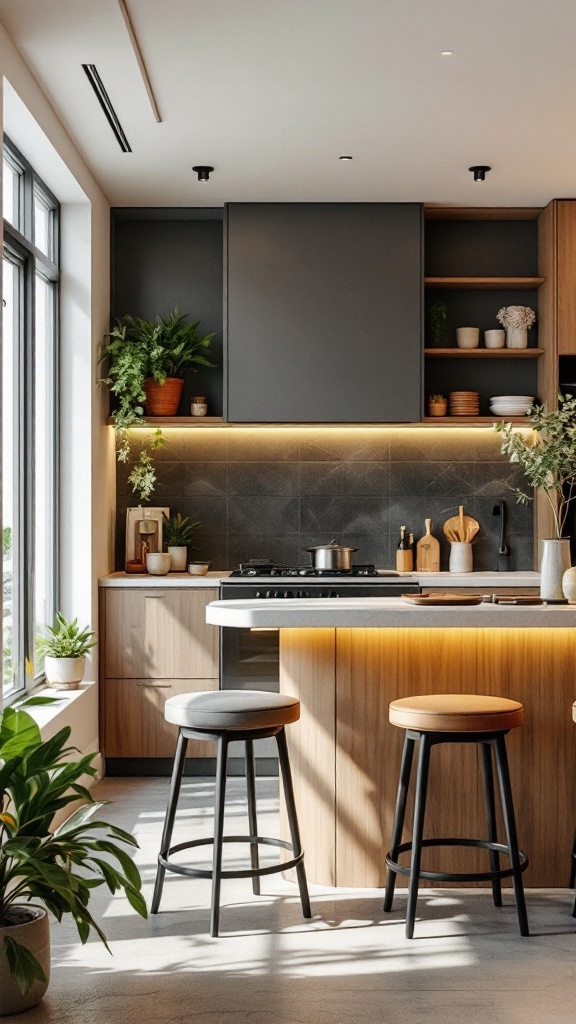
58, 869
138, 352
547, 457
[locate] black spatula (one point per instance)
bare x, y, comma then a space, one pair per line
503, 563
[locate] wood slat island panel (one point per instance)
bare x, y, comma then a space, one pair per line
360, 750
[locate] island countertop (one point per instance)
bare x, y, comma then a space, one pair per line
382, 613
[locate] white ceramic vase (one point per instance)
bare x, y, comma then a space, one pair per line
467, 337
495, 339
554, 563
64, 673
516, 337
460, 557
178, 558
33, 932
569, 585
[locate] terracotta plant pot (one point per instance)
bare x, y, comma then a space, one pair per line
437, 408
163, 399
31, 929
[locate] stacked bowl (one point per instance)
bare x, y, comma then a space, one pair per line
511, 405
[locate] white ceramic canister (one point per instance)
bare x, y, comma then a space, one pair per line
460, 557
569, 585
178, 558
199, 406
467, 337
516, 337
158, 563
495, 339
555, 561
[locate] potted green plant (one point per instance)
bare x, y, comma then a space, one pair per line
177, 533
49, 870
64, 647
437, 405
147, 360
547, 458
437, 322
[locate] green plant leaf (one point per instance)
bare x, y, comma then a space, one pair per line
19, 733
23, 965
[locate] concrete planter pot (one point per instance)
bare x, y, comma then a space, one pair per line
64, 673
31, 928
178, 558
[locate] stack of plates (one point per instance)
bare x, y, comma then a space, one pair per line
464, 403
511, 405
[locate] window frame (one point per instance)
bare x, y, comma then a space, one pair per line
19, 247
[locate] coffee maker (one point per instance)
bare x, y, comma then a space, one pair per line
143, 535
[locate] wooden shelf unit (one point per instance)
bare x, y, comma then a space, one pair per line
484, 353
488, 283
474, 421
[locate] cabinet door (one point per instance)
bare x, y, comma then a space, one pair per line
566, 226
160, 634
135, 724
324, 312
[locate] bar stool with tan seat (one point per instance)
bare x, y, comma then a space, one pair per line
456, 718
227, 715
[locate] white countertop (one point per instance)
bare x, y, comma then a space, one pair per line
490, 580
382, 612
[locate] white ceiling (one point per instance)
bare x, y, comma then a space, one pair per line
271, 92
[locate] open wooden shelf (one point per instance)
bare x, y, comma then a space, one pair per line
432, 212
474, 421
484, 282
177, 421
484, 353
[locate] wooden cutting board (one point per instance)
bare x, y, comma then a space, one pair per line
441, 599
428, 551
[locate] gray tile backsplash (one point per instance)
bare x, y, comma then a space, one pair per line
272, 493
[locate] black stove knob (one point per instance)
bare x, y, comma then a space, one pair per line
279, 593
301, 593
334, 593
288, 593
268, 594
260, 594
250, 572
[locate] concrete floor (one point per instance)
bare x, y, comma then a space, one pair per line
349, 964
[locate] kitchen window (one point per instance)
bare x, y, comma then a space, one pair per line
30, 276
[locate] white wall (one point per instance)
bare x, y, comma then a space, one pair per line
87, 494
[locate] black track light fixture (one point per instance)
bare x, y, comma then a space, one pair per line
203, 172
480, 171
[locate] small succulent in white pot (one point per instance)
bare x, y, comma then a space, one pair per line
64, 647
177, 534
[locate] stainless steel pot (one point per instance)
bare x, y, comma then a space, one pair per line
331, 556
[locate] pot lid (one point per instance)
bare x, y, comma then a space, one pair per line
332, 546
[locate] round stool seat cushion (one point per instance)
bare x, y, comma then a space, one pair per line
456, 712
231, 709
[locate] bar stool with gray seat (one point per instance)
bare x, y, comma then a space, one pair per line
456, 718
227, 715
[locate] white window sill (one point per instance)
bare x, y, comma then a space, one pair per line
51, 717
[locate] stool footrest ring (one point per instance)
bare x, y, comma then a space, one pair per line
451, 876
164, 858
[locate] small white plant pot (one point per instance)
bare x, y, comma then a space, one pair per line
158, 563
467, 337
64, 673
460, 557
495, 339
516, 337
178, 559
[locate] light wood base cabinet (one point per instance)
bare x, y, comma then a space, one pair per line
156, 644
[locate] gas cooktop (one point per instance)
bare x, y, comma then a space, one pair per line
269, 569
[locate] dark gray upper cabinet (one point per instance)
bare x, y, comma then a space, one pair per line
324, 312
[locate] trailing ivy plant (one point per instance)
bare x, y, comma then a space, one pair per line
137, 350
548, 456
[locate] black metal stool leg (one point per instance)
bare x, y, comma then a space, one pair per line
293, 820
177, 772
252, 820
488, 777
399, 815
417, 832
511, 836
221, 767
573, 865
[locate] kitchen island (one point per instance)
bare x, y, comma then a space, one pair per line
346, 659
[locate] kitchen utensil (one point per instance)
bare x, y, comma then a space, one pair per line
511, 599
428, 551
461, 528
331, 556
503, 560
441, 599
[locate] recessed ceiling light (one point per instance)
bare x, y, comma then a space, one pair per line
446, 53
345, 158
203, 171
